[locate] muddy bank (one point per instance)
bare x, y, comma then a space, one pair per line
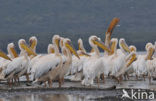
74, 91
109, 84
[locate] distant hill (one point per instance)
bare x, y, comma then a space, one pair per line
75, 19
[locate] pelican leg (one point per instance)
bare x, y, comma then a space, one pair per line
127, 76
149, 77
9, 83
136, 77
60, 82
18, 80
103, 77
143, 77
50, 83
120, 78
27, 77
98, 81
115, 78
15, 80
45, 84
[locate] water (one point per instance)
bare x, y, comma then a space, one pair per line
45, 97
70, 96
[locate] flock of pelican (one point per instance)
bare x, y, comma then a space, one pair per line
63, 61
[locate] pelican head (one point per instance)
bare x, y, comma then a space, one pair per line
11, 50
132, 48
23, 46
55, 40
123, 46
33, 42
51, 48
68, 45
94, 41
150, 51
21, 43
114, 42
148, 45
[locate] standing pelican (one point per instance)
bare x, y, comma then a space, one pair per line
67, 55
18, 66
51, 64
140, 65
77, 64
115, 63
32, 69
93, 66
5, 60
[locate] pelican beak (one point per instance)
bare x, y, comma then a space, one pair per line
112, 25
3, 55
132, 59
150, 53
57, 42
113, 47
125, 46
32, 44
27, 49
101, 45
70, 47
79, 46
84, 54
14, 52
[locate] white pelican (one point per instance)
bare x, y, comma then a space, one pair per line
130, 70
5, 60
68, 60
32, 69
48, 65
151, 61
77, 64
93, 66
140, 65
114, 64
18, 66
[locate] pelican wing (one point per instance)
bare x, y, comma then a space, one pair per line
46, 64
14, 65
32, 62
